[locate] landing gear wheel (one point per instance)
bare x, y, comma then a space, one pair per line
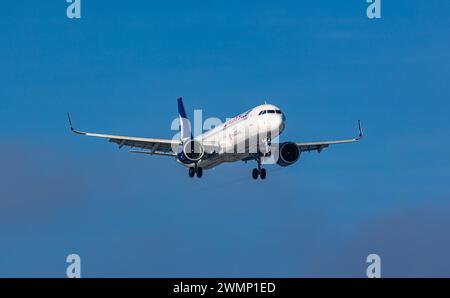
255, 174
262, 174
199, 172
191, 172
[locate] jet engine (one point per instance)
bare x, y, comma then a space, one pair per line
288, 154
192, 151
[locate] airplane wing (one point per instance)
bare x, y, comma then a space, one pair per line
149, 146
319, 146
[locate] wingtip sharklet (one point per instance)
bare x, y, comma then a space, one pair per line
71, 126
360, 131
70, 122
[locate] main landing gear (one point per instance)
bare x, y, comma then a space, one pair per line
195, 170
261, 172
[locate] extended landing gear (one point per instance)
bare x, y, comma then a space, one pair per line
195, 170
259, 171
255, 174
262, 174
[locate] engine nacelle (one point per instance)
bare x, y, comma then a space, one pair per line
288, 154
191, 151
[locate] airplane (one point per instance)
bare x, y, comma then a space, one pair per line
246, 137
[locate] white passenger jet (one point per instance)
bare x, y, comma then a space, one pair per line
249, 136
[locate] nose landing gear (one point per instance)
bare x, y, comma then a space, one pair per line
261, 172
255, 174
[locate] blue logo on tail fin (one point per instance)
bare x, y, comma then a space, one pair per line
184, 121
181, 109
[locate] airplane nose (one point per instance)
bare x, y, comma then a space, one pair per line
281, 123
278, 123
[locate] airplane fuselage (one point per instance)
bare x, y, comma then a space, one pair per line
240, 137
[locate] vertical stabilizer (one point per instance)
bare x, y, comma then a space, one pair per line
185, 126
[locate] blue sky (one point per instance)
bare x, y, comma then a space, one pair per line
120, 69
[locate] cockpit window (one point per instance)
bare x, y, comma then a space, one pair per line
270, 112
